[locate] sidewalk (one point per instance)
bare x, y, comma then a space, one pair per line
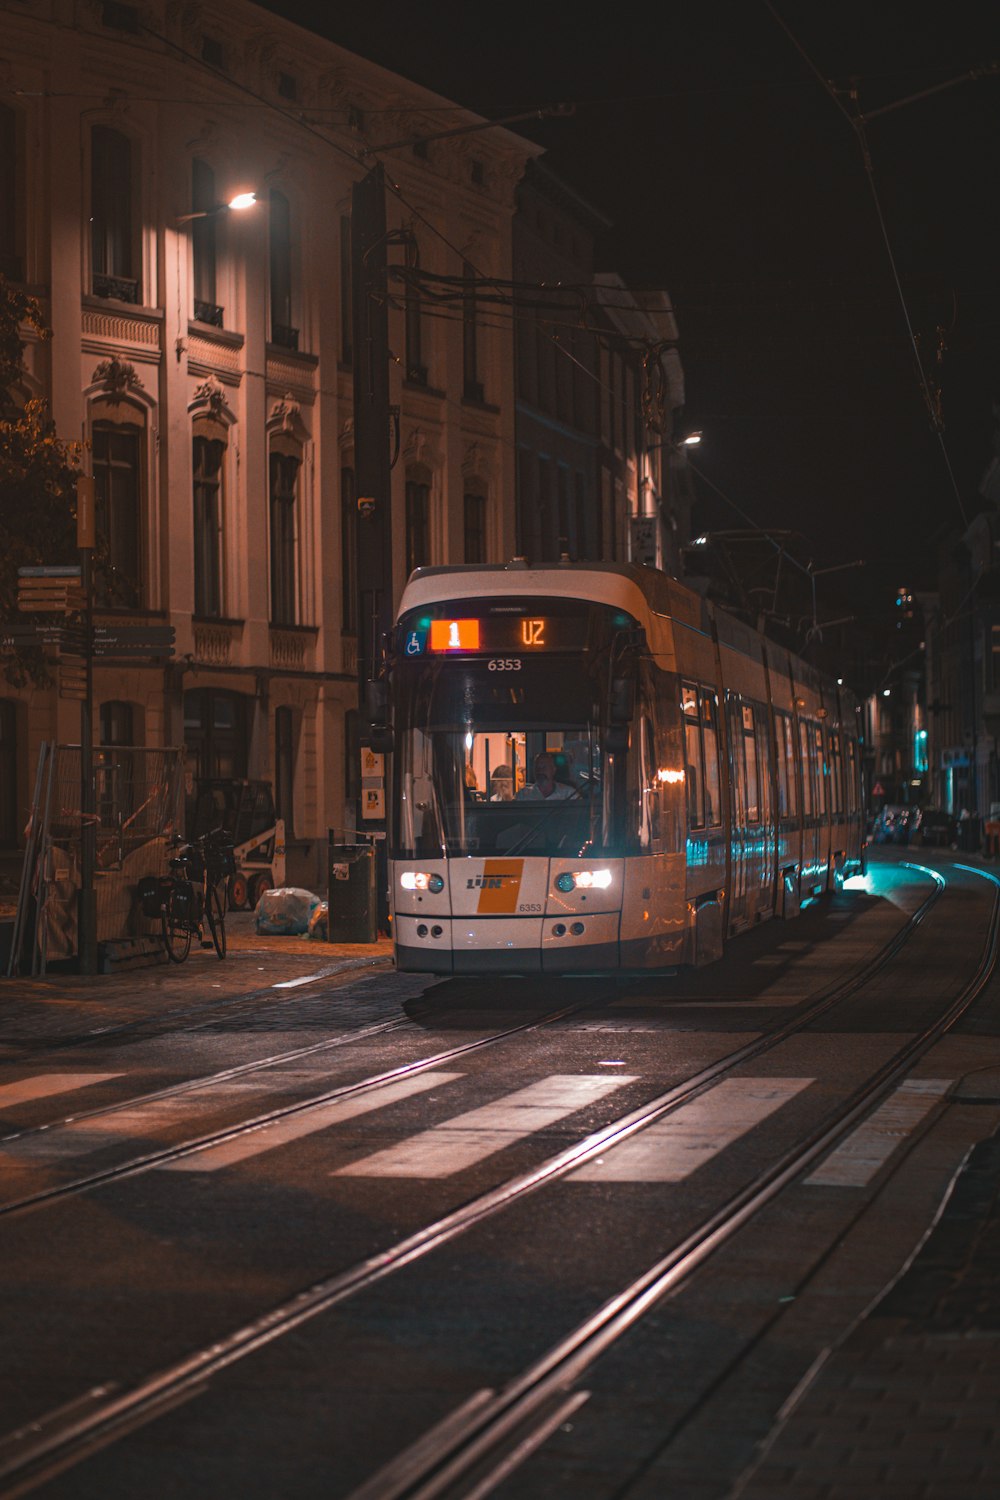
44, 1008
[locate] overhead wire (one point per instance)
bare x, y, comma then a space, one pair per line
856, 123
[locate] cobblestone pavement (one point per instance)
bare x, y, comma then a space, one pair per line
46, 1009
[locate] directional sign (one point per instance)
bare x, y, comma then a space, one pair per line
72, 681
45, 595
63, 570
139, 634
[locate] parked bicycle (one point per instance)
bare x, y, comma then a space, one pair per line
192, 896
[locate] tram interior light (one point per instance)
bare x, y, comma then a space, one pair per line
420, 880
670, 777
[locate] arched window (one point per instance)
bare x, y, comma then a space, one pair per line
284, 473
117, 458
418, 520
113, 258
207, 455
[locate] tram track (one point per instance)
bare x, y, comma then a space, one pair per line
486, 1440
537, 1398
681, 1093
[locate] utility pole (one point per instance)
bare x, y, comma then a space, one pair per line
87, 912
371, 426
370, 316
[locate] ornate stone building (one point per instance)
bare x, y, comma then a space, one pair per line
203, 354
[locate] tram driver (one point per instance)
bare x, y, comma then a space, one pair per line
545, 786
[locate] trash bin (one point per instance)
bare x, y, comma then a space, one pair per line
351, 880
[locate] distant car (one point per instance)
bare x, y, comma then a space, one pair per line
938, 827
894, 825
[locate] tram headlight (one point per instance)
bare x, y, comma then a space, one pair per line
419, 880
583, 880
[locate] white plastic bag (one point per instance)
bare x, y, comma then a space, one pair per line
285, 912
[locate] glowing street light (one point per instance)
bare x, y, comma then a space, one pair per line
236, 204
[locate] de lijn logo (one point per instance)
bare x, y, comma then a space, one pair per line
498, 886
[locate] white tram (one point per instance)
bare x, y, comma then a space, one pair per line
694, 779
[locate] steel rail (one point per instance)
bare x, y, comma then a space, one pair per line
524, 1408
208, 1080
166, 1154
832, 995
51, 1443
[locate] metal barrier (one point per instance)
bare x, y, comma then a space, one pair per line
138, 801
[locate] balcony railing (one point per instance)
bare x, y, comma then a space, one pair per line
208, 312
121, 287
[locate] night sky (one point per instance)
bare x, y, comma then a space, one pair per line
734, 181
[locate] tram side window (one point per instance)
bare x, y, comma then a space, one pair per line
807, 770
692, 755
787, 786
710, 739
750, 754
836, 784
821, 771
763, 751
737, 779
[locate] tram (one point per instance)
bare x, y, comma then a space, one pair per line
594, 769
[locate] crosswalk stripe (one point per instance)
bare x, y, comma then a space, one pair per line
306, 1122
856, 1160
468, 1138
46, 1084
685, 1140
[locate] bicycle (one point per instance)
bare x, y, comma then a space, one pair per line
192, 894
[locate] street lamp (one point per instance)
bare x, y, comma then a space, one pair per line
237, 204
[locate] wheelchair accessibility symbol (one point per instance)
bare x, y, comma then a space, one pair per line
415, 642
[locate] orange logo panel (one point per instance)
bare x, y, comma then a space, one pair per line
500, 887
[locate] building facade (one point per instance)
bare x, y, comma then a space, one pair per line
203, 355
599, 387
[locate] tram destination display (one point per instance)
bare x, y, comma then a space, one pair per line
498, 634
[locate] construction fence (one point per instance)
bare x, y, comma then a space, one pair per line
138, 808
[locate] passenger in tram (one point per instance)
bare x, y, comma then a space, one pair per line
545, 787
502, 784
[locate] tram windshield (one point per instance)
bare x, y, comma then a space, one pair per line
502, 755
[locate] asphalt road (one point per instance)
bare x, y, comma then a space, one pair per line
377, 1235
